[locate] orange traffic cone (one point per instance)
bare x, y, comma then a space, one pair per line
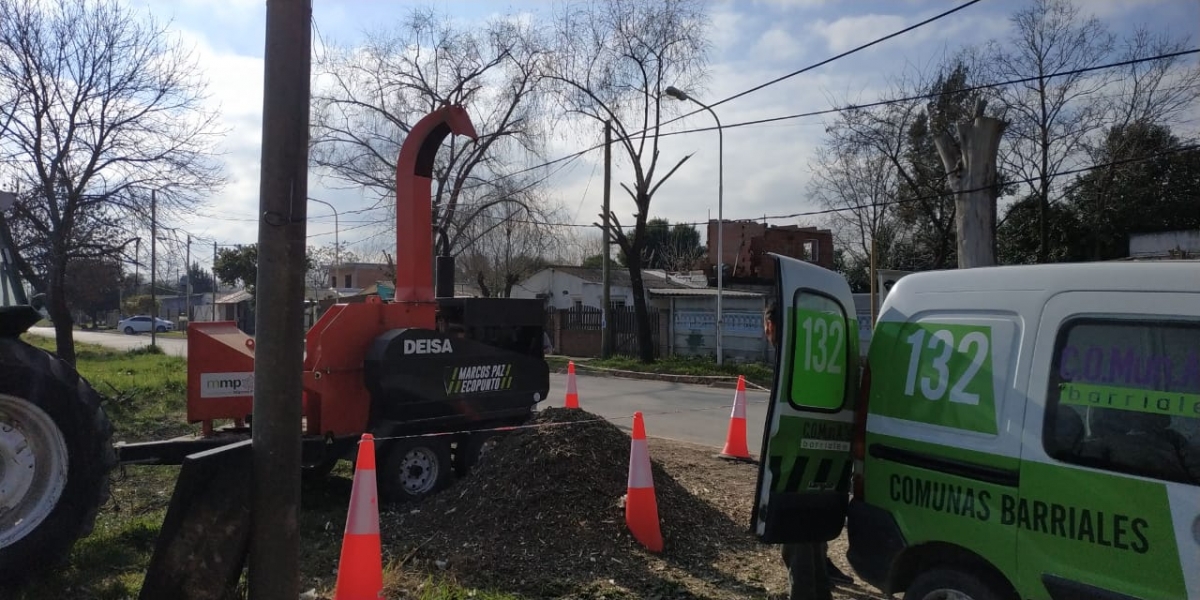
641, 507
735, 439
360, 569
572, 393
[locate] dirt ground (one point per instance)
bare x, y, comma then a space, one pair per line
543, 518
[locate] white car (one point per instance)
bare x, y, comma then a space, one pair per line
141, 324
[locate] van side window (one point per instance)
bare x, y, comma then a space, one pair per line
1124, 396
820, 346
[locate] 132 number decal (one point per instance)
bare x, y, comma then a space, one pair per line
830, 339
934, 386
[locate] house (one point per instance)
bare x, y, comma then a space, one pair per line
566, 287
683, 312
747, 243
358, 275
1165, 245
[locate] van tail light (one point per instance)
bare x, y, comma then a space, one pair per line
858, 445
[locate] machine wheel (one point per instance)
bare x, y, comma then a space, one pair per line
55, 457
128, 330
414, 469
952, 584
470, 448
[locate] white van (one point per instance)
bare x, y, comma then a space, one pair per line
1022, 432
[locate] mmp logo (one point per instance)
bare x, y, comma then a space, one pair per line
226, 385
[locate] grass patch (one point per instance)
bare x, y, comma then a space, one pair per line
145, 390
759, 373
146, 395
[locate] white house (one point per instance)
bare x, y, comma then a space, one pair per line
565, 287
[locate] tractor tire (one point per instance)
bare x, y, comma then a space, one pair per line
55, 458
413, 469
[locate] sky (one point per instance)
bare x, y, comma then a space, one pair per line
766, 167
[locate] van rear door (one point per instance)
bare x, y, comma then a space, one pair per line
804, 476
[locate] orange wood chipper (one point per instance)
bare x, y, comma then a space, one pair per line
432, 367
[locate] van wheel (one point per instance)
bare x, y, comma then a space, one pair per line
415, 468
952, 584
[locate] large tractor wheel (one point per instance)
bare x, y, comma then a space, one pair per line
55, 457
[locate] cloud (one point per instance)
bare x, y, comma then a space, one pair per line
847, 32
777, 44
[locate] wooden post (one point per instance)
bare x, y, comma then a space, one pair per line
970, 164
279, 317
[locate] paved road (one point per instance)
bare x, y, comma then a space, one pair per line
697, 414
612, 397
120, 341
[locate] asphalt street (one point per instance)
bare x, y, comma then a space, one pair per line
120, 341
692, 413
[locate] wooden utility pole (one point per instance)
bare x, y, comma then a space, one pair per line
279, 291
971, 172
187, 272
153, 268
605, 338
214, 282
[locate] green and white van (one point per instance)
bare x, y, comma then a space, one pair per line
1022, 432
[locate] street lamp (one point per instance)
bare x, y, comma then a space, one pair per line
678, 94
337, 247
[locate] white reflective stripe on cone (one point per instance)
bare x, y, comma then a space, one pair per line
739, 405
363, 518
571, 384
639, 465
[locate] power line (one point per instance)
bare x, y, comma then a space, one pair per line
877, 103
812, 213
822, 63
933, 95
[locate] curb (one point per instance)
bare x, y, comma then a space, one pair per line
714, 381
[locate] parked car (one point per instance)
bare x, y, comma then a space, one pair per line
141, 324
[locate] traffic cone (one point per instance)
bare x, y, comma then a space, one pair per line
360, 569
572, 393
735, 439
641, 506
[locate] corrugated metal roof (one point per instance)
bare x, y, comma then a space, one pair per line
701, 292
235, 297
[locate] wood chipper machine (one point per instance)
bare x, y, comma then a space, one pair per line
429, 368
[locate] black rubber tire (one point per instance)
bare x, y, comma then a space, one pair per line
388, 474
926, 584
468, 451
160, 329
129, 330
44, 380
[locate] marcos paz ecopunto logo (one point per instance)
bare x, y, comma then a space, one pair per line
224, 385
479, 378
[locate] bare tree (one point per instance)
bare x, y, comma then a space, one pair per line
367, 98
323, 259
613, 60
859, 184
510, 243
1050, 118
100, 106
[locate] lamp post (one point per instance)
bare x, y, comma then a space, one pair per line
678, 94
337, 247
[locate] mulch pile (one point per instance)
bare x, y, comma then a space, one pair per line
542, 514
